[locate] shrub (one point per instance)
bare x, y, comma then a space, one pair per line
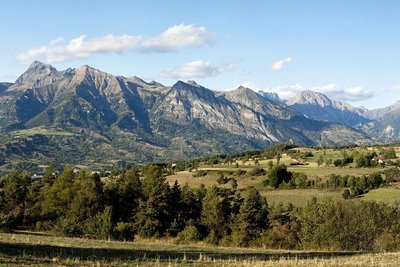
277, 175
257, 172
200, 173
280, 237
239, 172
222, 179
239, 238
234, 183
187, 235
212, 238
124, 231
346, 193
387, 241
100, 226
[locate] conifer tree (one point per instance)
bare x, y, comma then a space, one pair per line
153, 217
212, 214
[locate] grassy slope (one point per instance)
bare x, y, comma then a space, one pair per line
386, 195
298, 197
24, 249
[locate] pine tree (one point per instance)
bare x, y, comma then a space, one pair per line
15, 199
58, 198
123, 195
252, 219
153, 217
212, 214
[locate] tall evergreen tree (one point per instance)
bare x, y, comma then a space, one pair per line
123, 194
212, 214
58, 198
15, 199
252, 219
153, 217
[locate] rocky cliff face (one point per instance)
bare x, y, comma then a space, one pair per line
271, 96
318, 106
130, 119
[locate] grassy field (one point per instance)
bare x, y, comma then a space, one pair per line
40, 250
327, 170
298, 197
43, 131
387, 195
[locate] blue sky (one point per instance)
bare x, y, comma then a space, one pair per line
346, 49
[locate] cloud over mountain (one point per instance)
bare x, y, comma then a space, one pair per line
352, 93
197, 69
173, 39
278, 65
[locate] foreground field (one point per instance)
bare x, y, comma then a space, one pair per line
39, 250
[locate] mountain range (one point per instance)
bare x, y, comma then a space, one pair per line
91, 117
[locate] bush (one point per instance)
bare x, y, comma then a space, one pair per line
239, 238
301, 180
343, 162
257, 172
239, 172
200, 173
346, 194
212, 238
280, 237
222, 179
124, 231
387, 241
187, 235
277, 175
100, 226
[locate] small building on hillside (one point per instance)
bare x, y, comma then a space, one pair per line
380, 160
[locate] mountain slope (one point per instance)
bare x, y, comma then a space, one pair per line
319, 107
86, 115
380, 112
271, 96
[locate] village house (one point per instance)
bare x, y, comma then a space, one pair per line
380, 160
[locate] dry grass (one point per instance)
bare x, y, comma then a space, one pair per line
186, 177
41, 250
298, 197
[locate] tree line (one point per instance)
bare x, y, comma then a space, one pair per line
142, 203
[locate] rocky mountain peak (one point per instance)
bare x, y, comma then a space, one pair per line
92, 75
243, 89
271, 96
311, 98
318, 106
191, 82
40, 66
191, 91
243, 92
36, 71
143, 83
380, 112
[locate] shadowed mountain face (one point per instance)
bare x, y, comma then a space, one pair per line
88, 115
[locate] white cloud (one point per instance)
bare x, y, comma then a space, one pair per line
173, 39
334, 91
396, 87
197, 69
178, 37
278, 65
